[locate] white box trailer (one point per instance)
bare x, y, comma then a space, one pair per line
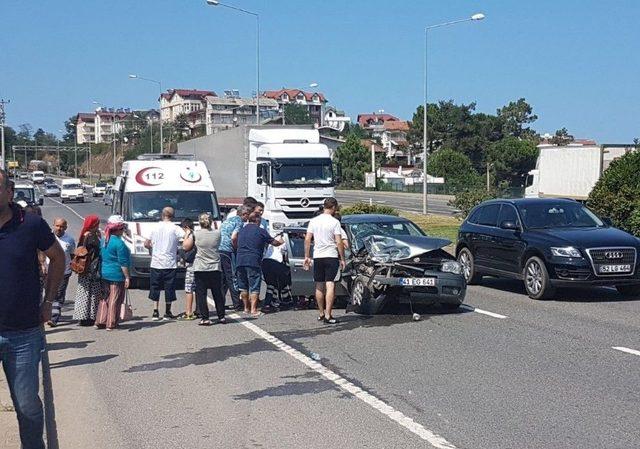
570, 171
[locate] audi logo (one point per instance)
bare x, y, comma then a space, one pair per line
304, 202
614, 255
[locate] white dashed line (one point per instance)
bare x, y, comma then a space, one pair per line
627, 350
483, 312
64, 205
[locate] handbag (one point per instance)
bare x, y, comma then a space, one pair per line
126, 311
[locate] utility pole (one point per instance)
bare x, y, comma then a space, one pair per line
2, 118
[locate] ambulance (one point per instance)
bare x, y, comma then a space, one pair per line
150, 183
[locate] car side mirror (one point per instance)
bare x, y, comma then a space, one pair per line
607, 221
259, 180
509, 225
41, 201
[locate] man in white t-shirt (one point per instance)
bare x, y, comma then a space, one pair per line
328, 257
163, 243
68, 245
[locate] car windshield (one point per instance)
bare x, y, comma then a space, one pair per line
50, 186
101, 184
24, 194
547, 215
147, 206
302, 172
362, 230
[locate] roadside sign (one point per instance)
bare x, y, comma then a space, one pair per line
13, 164
370, 180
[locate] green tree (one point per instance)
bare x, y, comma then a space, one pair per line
456, 169
511, 159
562, 137
515, 116
297, 114
616, 195
352, 160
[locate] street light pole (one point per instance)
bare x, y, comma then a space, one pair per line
257, 16
425, 133
2, 118
159, 83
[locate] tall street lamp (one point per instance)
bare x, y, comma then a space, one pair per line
136, 77
475, 18
217, 3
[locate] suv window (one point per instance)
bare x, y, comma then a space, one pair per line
508, 213
489, 215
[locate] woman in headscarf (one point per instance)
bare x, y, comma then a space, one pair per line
90, 286
116, 259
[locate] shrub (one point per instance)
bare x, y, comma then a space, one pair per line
465, 201
456, 169
365, 208
616, 195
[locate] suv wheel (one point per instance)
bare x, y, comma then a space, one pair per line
465, 258
632, 291
536, 279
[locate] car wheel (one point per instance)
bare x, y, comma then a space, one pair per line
632, 291
450, 307
465, 258
362, 299
536, 279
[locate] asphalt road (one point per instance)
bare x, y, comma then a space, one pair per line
410, 202
506, 372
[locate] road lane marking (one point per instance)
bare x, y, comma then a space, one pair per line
427, 435
64, 205
483, 312
627, 350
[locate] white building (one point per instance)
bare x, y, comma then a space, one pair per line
99, 126
182, 101
314, 101
391, 130
227, 112
335, 119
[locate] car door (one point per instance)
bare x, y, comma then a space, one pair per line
483, 235
508, 242
301, 280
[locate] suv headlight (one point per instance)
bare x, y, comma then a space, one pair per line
451, 266
566, 251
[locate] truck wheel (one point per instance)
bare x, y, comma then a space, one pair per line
631, 291
536, 279
465, 258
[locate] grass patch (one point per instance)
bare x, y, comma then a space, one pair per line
436, 225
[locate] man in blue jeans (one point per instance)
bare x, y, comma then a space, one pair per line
21, 310
252, 240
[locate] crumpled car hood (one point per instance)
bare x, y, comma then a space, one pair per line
390, 249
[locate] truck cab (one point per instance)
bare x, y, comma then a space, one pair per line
150, 183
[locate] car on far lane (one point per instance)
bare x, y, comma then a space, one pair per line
49, 180
51, 189
99, 189
547, 243
23, 175
390, 260
72, 190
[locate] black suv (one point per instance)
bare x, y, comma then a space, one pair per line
547, 243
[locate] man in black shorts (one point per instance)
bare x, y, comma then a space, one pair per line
328, 257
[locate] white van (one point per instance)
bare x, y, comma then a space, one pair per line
72, 190
150, 183
37, 177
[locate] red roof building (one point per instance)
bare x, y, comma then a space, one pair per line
314, 101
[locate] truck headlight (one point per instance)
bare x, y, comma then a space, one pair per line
566, 251
451, 266
277, 225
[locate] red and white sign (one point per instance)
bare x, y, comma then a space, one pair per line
150, 176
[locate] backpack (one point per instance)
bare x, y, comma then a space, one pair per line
80, 262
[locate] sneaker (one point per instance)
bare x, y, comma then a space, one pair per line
222, 320
155, 316
169, 316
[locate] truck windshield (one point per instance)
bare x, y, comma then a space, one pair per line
546, 215
298, 172
71, 186
24, 194
147, 206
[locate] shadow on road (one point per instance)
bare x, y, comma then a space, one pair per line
588, 294
68, 345
294, 388
138, 324
83, 361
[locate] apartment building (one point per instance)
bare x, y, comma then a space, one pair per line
391, 131
99, 126
314, 101
183, 101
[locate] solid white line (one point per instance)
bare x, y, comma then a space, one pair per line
64, 205
483, 312
395, 415
627, 350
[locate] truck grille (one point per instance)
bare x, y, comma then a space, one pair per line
612, 256
300, 208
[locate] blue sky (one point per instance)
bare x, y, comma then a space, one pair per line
577, 62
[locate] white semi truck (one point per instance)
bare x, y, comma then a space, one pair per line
285, 167
570, 171
150, 183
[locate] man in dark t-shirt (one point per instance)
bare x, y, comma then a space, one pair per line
22, 311
252, 240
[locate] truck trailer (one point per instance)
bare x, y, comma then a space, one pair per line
285, 167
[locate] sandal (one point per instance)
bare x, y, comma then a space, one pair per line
184, 317
321, 318
204, 323
330, 320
